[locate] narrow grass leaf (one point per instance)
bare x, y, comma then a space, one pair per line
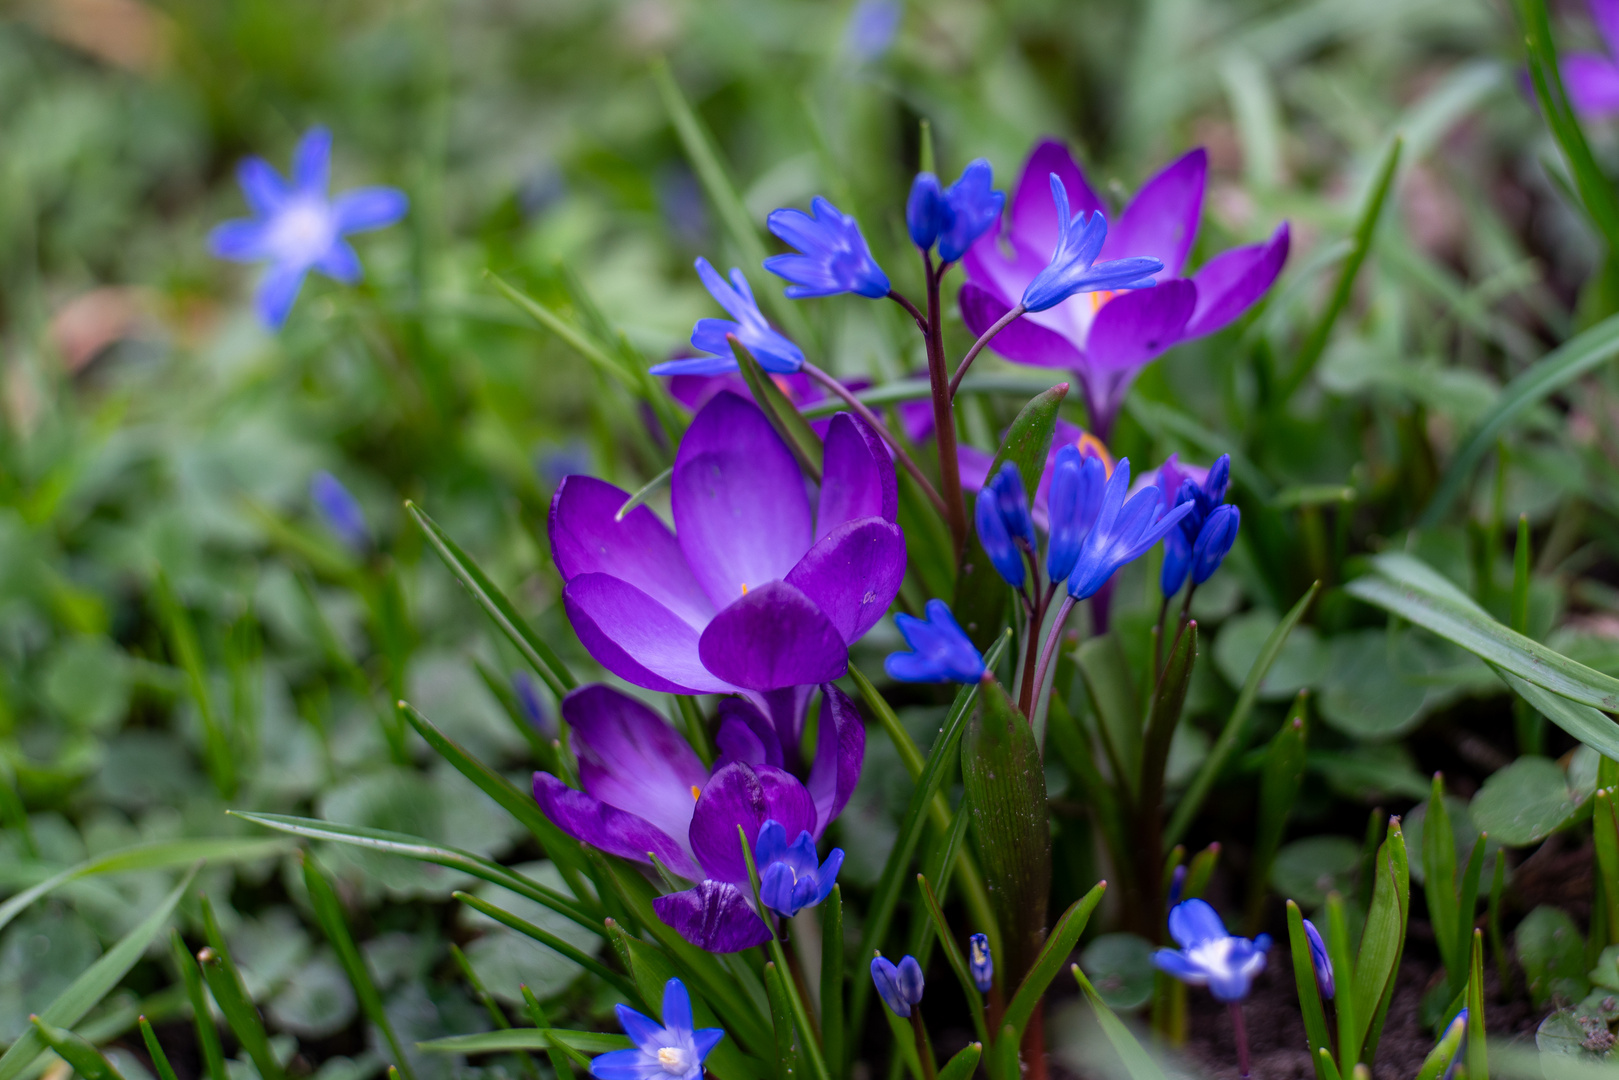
1059, 944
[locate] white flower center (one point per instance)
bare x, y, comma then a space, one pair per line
303, 231
673, 1060
1213, 955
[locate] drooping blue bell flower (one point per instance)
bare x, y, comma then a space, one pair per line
1203, 497
1124, 531
899, 985
940, 650
1001, 515
1214, 541
831, 254
955, 216
1075, 496
791, 876
980, 963
774, 352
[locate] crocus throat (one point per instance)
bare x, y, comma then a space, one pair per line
1101, 297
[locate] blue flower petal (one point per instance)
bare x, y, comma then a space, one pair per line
369, 208
312, 161
242, 240
341, 263
262, 186
1193, 922
276, 292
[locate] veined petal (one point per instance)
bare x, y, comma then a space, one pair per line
341, 263
1022, 341
277, 290
241, 240
1135, 328
1034, 218
1193, 922
1161, 221
715, 917
772, 638
697, 365
741, 513
745, 734
631, 1064
1592, 83
262, 186
637, 638
853, 574
1605, 13
606, 828
639, 1028
746, 796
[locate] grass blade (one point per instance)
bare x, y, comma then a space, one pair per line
1137, 1062
1064, 936
952, 953
213, 1057
550, 940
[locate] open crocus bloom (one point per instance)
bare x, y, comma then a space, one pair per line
645, 794
1106, 339
755, 591
1592, 79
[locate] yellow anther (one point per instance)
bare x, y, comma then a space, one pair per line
696, 792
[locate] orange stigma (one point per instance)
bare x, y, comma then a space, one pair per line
744, 588
696, 793
1101, 297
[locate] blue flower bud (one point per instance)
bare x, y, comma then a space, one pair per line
925, 210
973, 205
1072, 503
1012, 503
899, 985
980, 963
1177, 884
340, 510
1214, 540
1320, 960
1003, 552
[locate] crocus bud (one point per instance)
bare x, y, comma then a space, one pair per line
339, 510
1219, 532
1321, 961
925, 210
899, 985
980, 963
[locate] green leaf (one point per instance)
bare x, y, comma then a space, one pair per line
1346, 1006
941, 758
1192, 801
1120, 966
187, 651
1163, 717
1106, 671
953, 955
230, 993
1525, 802
86, 991
412, 847
1382, 942
1138, 1064
202, 1017
548, 939
1279, 785
88, 1062
1058, 945
1551, 950
1307, 870
1365, 693
1605, 835
832, 946
1005, 787
546, 664
981, 595
1595, 729
1315, 1016
154, 1050
1300, 665
964, 1064
1365, 229
1439, 865
1563, 366
1477, 1049
499, 1042
781, 1019
644, 492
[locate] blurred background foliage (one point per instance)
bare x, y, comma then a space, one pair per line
179, 633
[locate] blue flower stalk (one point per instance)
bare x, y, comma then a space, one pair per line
340, 511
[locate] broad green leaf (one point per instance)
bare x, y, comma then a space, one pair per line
497, 1042
964, 1064
1192, 801
1551, 950
1120, 966
1382, 942
1595, 729
1005, 787
1307, 870
981, 595
412, 847
1525, 802
1364, 693
94, 984
1302, 663
1414, 591
546, 664
88, 1062
1137, 1062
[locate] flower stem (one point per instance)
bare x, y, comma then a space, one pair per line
924, 1049
864, 412
1242, 1037
978, 346
1051, 642
944, 421
910, 309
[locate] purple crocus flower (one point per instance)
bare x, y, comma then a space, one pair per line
758, 590
831, 256
1592, 78
296, 228
672, 1050
1107, 339
1208, 956
774, 352
645, 793
695, 391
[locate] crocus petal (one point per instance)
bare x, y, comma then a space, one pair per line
1136, 327
242, 240
1605, 13
741, 512
1161, 221
714, 916
745, 734
636, 638
1592, 83
369, 208
853, 574
631, 1064
277, 290
341, 263
857, 476
840, 750
974, 465
774, 637
1022, 341
630, 758
1034, 217
587, 538
262, 186
608, 829
1231, 282
1193, 922
312, 161
746, 796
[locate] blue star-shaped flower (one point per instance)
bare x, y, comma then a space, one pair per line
1073, 267
791, 876
1122, 533
832, 255
672, 1050
296, 228
940, 650
774, 352
1208, 956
